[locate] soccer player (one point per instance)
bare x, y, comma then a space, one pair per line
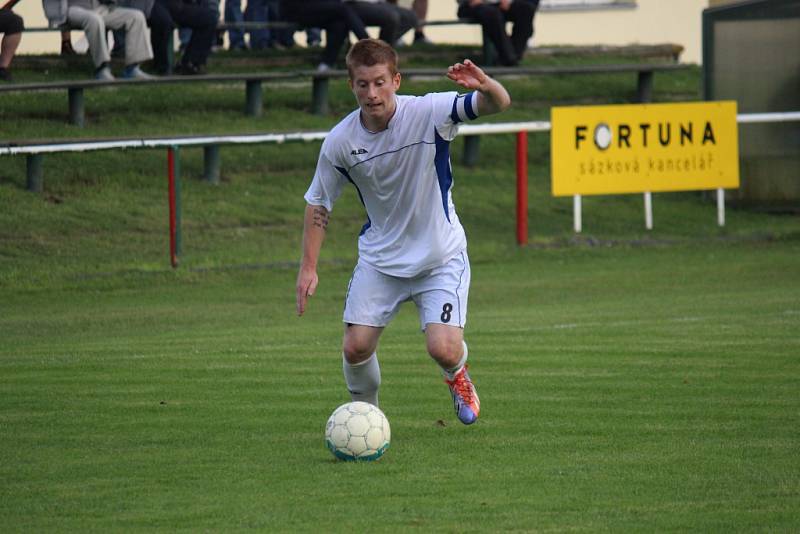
394, 149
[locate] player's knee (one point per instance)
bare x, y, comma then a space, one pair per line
446, 350
356, 350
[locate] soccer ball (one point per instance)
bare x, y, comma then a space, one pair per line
357, 431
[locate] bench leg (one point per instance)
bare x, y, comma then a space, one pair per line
76, 110
211, 164
254, 104
319, 96
471, 150
644, 87
34, 173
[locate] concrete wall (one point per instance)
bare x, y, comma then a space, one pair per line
650, 22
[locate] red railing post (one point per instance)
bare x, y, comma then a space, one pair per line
522, 188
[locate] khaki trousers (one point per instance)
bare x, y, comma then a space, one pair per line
95, 22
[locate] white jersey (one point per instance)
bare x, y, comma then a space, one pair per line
403, 178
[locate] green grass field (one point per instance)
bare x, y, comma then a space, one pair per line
630, 380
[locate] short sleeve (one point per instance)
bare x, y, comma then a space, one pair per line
327, 183
451, 109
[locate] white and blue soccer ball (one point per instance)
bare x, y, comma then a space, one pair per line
357, 431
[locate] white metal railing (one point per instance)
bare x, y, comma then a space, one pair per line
468, 129
35, 151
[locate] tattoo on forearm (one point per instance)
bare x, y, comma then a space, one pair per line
321, 217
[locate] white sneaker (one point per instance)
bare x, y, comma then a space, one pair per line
323, 67
104, 74
135, 73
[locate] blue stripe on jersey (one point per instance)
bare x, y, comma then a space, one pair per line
360, 196
469, 108
468, 105
454, 113
442, 163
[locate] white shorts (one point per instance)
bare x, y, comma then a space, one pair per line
374, 298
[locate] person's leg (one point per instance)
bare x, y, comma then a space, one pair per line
494, 24
259, 12
137, 44
8, 48
383, 15
420, 8
335, 18
408, 20
233, 14
95, 29
12, 28
161, 26
360, 366
520, 13
441, 298
373, 299
202, 21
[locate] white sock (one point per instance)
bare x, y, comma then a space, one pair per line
450, 374
363, 379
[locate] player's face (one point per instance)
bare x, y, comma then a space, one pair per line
375, 88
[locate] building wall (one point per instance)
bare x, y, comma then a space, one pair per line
649, 22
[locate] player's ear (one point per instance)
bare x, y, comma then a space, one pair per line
396, 81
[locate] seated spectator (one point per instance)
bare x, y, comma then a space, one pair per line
493, 15
11, 27
163, 16
393, 20
335, 17
93, 18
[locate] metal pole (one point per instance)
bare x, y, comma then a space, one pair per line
576, 213
522, 188
34, 172
721, 206
211, 164
254, 104
472, 144
319, 96
648, 210
76, 108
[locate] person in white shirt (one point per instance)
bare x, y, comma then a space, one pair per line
395, 151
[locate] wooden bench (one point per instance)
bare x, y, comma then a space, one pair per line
321, 82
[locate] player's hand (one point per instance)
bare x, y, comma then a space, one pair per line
307, 281
467, 74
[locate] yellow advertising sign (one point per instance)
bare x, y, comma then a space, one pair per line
597, 150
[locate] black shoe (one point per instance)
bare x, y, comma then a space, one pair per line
5, 75
188, 69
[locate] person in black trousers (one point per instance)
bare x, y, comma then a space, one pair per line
162, 18
393, 20
493, 15
337, 18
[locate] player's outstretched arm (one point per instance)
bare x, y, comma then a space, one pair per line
315, 223
493, 97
